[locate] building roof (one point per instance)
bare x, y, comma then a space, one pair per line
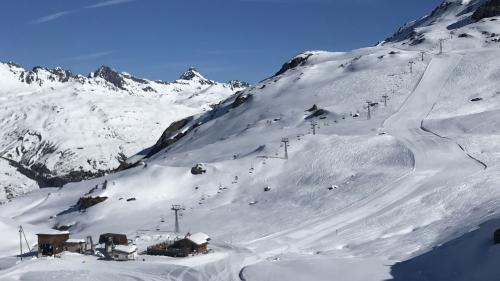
75, 241
53, 232
199, 238
125, 249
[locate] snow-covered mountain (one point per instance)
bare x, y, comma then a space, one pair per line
63, 127
391, 170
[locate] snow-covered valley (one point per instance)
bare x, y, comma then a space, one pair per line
390, 171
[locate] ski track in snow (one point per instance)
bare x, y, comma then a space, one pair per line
431, 162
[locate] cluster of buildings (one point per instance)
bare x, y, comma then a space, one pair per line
118, 247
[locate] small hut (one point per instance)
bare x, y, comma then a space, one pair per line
191, 244
75, 245
124, 253
51, 243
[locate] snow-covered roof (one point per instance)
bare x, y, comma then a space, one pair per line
198, 238
125, 249
75, 241
53, 232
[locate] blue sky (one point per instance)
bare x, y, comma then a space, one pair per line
225, 39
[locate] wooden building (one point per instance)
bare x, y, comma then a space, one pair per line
51, 243
191, 244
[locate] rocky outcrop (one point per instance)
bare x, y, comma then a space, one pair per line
317, 113
87, 202
108, 74
489, 9
170, 136
236, 84
408, 31
241, 98
46, 178
193, 74
39, 75
198, 169
295, 62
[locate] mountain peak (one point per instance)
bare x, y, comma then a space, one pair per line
191, 74
107, 73
103, 72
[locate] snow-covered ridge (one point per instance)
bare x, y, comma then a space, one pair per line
106, 76
449, 16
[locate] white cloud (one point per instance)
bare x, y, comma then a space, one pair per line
109, 3
90, 56
51, 17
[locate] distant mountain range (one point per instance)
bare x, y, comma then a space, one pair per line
59, 127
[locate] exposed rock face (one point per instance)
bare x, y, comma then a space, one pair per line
238, 84
87, 202
297, 61
170, 135
241, 99
407, 31
108, 74
149, 89
317, 113
198, 169
39, 74
192, 74
313, 108
489, 9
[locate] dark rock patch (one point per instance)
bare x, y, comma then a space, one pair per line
238, 84
313, 108
170, 136
113, 77
241, 99
149, 89
87, 202
295, 62
417, 41
198, 169
317, 113
62, 227
489, 9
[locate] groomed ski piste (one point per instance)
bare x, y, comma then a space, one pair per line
410, 194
